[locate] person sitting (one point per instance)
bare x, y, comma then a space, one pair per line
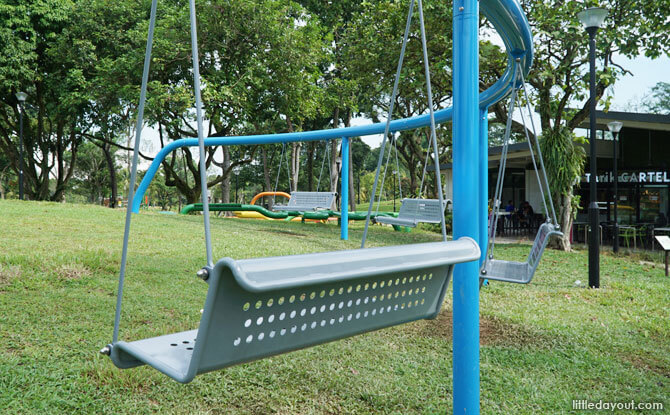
510, 213
528, 210
525, 214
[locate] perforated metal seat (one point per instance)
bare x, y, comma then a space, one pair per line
520, 272
414, 211
308, 201
267, 306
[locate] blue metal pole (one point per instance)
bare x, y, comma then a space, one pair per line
467, 206
483, 180
344, 192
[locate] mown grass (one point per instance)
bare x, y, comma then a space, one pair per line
542, 345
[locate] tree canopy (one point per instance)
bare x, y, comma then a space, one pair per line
270, 66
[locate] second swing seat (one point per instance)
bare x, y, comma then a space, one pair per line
307, 201
414, 211
268, 306
520, 272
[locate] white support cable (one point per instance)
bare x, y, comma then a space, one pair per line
325, 154
201, 138
532, 156
386, 166
281, 160
539, 151
133, 170
394, 94
397, 165
501, 171
425, 166
432, 121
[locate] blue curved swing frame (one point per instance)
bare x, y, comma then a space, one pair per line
470, 164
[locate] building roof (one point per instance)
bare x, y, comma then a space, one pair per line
514, 151
657, 122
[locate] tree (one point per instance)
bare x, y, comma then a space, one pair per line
659, 99
559, 77
7, 179
373, 64
340, 84
90, 179
54, 69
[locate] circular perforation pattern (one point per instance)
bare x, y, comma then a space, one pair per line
319, 311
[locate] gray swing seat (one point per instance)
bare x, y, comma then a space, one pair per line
520, 272
307, 202
414, 211
267, 306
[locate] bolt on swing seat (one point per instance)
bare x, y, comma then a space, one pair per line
520, 272
307, 201
267, 306
414, 211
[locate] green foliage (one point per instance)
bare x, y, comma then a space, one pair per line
563, 159
564, 163
659, 100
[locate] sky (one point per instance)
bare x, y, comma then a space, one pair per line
645, 74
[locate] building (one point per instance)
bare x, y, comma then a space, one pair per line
643, 164
643, 158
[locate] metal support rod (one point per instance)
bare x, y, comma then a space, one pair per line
594, 243
483, 179
21, 151
615, 227
433, 134
133, 170
344, 191
387, 126
201, 139
466, 204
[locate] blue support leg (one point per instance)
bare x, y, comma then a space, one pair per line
344, 192
467, 204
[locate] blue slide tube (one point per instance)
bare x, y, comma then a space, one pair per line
509, 21
467, 203
344, 192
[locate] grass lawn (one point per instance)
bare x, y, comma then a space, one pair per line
543, 345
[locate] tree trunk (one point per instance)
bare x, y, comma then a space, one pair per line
565, 218
295, 165
333, 159
106, 148
2, 187
295, 158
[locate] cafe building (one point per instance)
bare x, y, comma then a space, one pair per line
643, 164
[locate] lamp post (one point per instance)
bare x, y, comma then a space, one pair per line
592, 18
615, 127
21, 96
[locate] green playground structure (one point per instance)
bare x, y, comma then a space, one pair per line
286, 215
